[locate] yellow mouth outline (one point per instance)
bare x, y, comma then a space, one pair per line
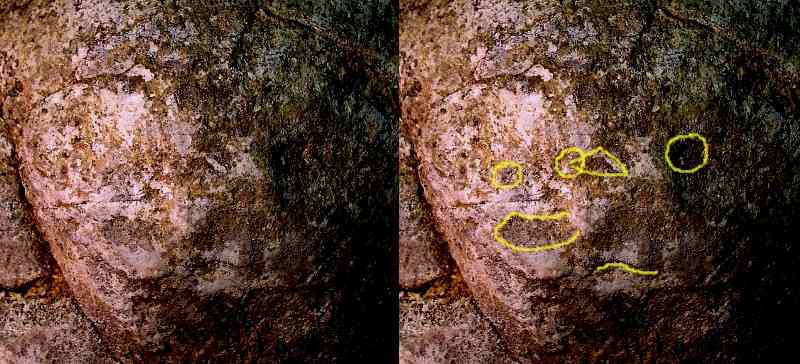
625, 267
498, 236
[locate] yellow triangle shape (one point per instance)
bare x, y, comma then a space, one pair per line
622, 171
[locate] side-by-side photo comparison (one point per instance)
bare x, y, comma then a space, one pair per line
399, 181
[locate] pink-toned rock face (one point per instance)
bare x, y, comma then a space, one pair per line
124, 199
492, 81
200, 170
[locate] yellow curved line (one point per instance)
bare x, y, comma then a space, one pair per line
579, 163
503, 165
689, 136
498, 236
625, 267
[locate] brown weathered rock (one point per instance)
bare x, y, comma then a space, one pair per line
422, 255
21, 252
47, 326
447, 329
490, 81
200, 171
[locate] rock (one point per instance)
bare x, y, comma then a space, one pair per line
47, 328
422, 255
446, 328
22, 254
494, 81
200, 172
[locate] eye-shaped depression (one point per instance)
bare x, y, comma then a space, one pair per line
579, 164
685, 138
503, 166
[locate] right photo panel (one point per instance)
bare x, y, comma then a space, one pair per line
599, 181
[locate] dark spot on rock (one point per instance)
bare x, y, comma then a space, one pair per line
285, 165
686, 154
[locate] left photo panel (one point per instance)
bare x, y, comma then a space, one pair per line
198, 181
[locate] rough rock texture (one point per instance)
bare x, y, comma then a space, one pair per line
423, 256
44, 325
213, 178
488, 81
444, 325
22, 253
439, 321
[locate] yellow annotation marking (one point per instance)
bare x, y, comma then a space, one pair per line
498, 236
625, 267
579, 163
503, 165
689, 136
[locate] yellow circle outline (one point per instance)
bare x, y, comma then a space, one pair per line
578, 169
498, 236
680, 137
503, 165
627, 268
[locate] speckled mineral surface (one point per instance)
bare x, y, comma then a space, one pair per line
213, 178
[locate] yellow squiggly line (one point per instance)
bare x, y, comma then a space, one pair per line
579, 163
503, 165
498, 236
689, 136
625, 267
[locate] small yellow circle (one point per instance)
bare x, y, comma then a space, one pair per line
690, 136
503, 165
579, 168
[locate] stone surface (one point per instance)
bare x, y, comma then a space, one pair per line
489, 81
444, 325
423, 256
45, 325
22, 253
215, 180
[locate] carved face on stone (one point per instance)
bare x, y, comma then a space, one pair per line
619, 213
496, 104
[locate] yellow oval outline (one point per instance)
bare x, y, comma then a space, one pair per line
498, 236
502, 165
688, 136
625, 267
